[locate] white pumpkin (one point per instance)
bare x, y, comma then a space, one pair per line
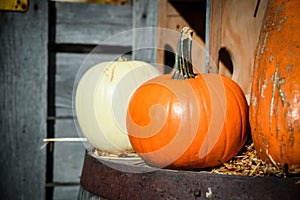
102, 98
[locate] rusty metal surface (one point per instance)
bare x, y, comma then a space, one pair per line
103, 181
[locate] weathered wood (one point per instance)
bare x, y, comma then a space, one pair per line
170, 19
66, 193
67, 66
161, 23
240, 36
23, 78
104, 181
144, 31
68, 156
214, 34
87, 23
235, 25
68, 162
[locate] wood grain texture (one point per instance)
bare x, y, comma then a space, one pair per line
240, 36
87, 23
68, 156
144, 40
234, 27
170, 18
66, 192
23, 58
214, 34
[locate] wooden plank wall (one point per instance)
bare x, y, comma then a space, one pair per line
173, 16
76, 29
235, 26
144, 15
23, 86
232, 31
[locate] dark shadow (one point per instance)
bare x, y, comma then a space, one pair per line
194, 12
225, 58
169, 59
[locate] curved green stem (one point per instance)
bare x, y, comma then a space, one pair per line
183, 59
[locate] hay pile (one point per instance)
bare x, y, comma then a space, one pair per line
246, 163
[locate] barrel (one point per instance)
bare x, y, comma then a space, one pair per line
105, 178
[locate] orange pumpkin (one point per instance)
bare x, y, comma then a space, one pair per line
186, 120
275, 99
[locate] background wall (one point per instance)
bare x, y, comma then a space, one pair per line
23, 105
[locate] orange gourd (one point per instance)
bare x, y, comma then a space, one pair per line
186, 120
275, 97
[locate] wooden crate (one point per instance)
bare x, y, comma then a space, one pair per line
170, 17
230, 35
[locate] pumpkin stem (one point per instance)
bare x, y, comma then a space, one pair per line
183, 59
